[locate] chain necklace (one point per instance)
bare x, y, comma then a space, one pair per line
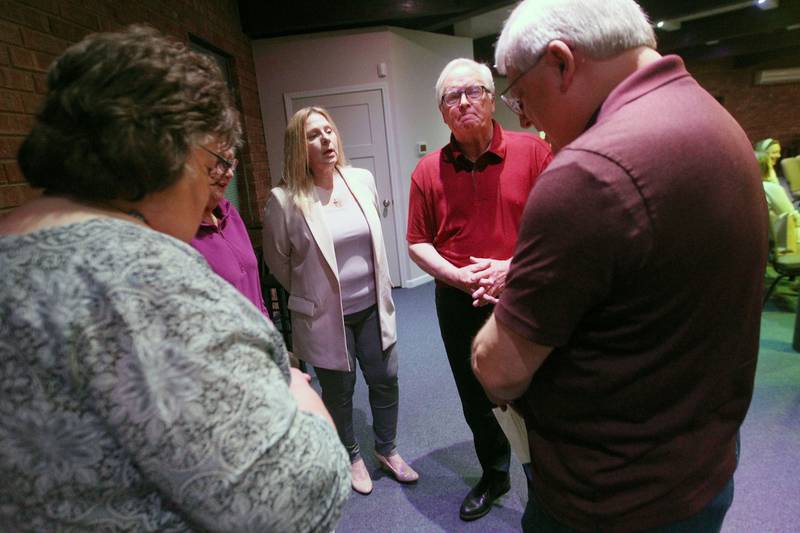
136, 214
132, 212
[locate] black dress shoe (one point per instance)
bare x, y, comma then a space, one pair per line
479, 500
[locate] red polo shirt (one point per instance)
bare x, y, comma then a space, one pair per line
473, 209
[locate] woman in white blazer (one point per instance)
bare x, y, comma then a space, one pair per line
323, 243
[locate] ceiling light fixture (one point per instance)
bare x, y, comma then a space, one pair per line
778, 75
767, 4
668, 25
675, 22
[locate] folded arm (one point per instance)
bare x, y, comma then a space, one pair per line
432, 262
492, 280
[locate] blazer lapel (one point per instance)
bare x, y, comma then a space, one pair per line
315, 218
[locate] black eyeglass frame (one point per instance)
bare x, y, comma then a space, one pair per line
227, 164
463, 90
514, 103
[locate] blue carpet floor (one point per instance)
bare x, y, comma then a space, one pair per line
435, 440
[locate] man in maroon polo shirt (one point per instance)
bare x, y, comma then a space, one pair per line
628, 330
465, 206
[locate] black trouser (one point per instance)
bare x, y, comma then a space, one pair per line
459, 322
363, 337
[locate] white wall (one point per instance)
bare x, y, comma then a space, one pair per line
340, 59
418, 58
310, 62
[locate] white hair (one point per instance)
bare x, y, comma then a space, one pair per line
481, 70
599, 28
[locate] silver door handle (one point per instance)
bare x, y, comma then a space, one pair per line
387, 203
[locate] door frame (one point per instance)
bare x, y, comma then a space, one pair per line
394, 171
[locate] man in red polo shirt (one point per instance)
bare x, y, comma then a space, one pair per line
628, 330
465, 206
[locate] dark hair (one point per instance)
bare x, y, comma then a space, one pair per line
121, 113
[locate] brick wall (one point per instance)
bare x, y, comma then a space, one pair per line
34, 32
762, 110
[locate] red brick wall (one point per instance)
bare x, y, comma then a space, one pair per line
762, 110
34, 32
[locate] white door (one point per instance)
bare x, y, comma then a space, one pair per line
360, 118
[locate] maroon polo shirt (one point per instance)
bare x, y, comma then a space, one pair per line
473, 209
641, 260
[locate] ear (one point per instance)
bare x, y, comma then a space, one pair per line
560, 55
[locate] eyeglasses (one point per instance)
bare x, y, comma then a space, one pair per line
514, 103
473, 93
223, 165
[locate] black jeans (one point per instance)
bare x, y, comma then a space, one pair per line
459, 322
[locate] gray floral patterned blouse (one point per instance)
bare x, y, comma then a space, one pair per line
141, 392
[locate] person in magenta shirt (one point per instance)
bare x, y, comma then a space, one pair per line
222, 237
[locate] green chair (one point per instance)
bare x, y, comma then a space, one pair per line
783, 255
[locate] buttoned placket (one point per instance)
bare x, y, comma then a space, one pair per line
217, 229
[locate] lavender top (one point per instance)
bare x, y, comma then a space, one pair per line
229, 252
352, 242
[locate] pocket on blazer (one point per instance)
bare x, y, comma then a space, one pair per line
301, 305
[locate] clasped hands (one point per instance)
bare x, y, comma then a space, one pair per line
484, 279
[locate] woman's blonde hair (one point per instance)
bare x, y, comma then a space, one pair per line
297, 177
764, 164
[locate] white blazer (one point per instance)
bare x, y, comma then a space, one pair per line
300, 254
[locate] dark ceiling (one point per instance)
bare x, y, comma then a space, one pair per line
748, 35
